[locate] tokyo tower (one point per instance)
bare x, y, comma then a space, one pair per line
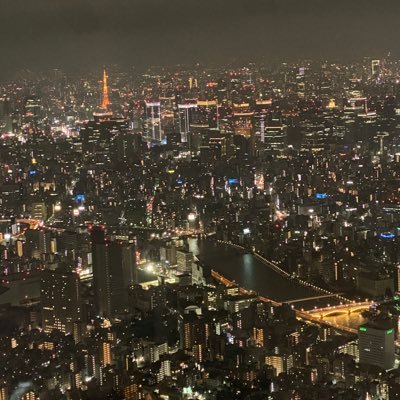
106, 101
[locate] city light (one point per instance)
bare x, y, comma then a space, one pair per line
192, 217
207, 230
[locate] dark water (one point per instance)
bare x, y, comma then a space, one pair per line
252, 274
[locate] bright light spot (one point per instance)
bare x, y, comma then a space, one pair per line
150, 267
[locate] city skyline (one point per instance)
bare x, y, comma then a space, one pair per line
199, 200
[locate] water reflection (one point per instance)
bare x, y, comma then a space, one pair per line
353, 320
247, 271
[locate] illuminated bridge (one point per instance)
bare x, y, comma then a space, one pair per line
341, 309
316, 316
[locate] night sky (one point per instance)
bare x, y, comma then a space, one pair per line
80, 33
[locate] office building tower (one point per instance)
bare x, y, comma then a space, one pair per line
243, 116
60, 299
186, 116
314, 137
375, 67
5, 116
114, 272
167, 103
184, 260
276, 137
206, 114
260, 117
376, 345
301, 83
123, 274
98, 134
39, 211
126, 145
153, 132
220, 146
33, 111
37, 242
101, 271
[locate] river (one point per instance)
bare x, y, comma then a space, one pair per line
250, 273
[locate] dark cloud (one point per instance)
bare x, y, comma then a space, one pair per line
75, 33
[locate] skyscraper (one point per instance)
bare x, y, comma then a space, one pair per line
5, 116
123, 274
114, 272
152, 122
185, 119
101, 271
375, 67
275, 134
184, 260
33, 111
376, 345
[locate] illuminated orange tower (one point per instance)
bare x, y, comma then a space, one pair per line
106, 101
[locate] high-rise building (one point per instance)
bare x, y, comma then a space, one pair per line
375, 67
243, 116
101, 271
37, 242
194, 334
275, 134
206, 114
30, 395
4, 392
123, 274
260, 117
167, 114
5, 116
185, 119
153, 132
39, 211
33, 110
97, 135
133, 391
106, 353
376, 345
219, 146
60, 300
184, 260
114, 272
280, 363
